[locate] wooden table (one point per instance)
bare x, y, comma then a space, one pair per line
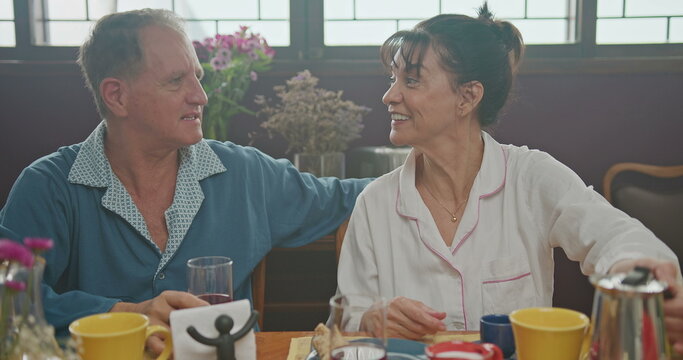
275, 345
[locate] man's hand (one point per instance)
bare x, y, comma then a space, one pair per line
406, 318
159, 309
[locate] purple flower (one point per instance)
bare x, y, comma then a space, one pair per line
242, 45
224, 53
13, 251
38, 244
219, 63
15, 285
253, 75
253, 55
228, 41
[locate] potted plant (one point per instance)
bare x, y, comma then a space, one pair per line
231, 63
316, 123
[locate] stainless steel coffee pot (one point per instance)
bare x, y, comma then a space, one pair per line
628, 318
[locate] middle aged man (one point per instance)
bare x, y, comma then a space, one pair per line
144, 192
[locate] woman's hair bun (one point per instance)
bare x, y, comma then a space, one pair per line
483, 13
508, 34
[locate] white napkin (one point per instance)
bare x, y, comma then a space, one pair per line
203, 318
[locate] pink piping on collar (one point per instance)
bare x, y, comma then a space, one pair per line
483, 196
462, 279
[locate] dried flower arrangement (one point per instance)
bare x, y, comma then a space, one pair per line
312, 120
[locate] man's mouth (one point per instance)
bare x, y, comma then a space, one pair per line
190, 117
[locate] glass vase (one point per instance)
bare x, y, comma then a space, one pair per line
321, 165
25, 334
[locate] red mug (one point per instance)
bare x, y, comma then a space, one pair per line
461, 350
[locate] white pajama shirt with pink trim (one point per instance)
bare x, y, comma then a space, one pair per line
522, 204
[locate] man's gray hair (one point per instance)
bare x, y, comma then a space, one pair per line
113, 49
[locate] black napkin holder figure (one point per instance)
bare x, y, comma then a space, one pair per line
225, 342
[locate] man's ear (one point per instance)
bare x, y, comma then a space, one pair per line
114, 94
471, 94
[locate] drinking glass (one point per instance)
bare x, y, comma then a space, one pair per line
346, 312
210, 278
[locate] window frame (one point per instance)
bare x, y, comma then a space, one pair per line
307, 46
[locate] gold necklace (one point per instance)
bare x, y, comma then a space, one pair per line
452, 214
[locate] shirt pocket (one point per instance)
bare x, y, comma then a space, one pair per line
507, 285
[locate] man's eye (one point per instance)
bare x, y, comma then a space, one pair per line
411, 81
392, 79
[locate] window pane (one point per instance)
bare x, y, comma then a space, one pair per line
499, 8
65, 9
407, 24
396, 9
225, 9
6, 10
506, 8
204, 17
275, 32
97, 8
610, 8
631, 31
547, 8
198, 30
676, 30
7, 33
68, 33
358, 32
539, 25
274, 9
465, 7
126, 5
654, 7
542, 31
338, 9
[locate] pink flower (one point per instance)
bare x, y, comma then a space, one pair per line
13, 251
219, 63
224, 53
38, 244
253, 75
228, 41
15, 285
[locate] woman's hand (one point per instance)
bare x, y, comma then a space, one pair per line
159, 310
673, 304
406, 318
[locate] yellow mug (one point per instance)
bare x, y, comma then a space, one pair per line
548, 333
115, 336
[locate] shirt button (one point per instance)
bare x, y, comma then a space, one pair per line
161, 276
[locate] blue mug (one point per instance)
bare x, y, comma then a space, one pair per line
496, 329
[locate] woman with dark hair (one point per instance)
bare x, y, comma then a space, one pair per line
466, 226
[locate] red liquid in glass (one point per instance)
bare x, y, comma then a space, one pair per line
214, 299
359, 351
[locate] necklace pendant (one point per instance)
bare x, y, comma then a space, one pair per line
454, 219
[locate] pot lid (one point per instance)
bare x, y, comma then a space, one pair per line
638, 281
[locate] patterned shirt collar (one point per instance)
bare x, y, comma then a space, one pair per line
197, 162
92, 168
